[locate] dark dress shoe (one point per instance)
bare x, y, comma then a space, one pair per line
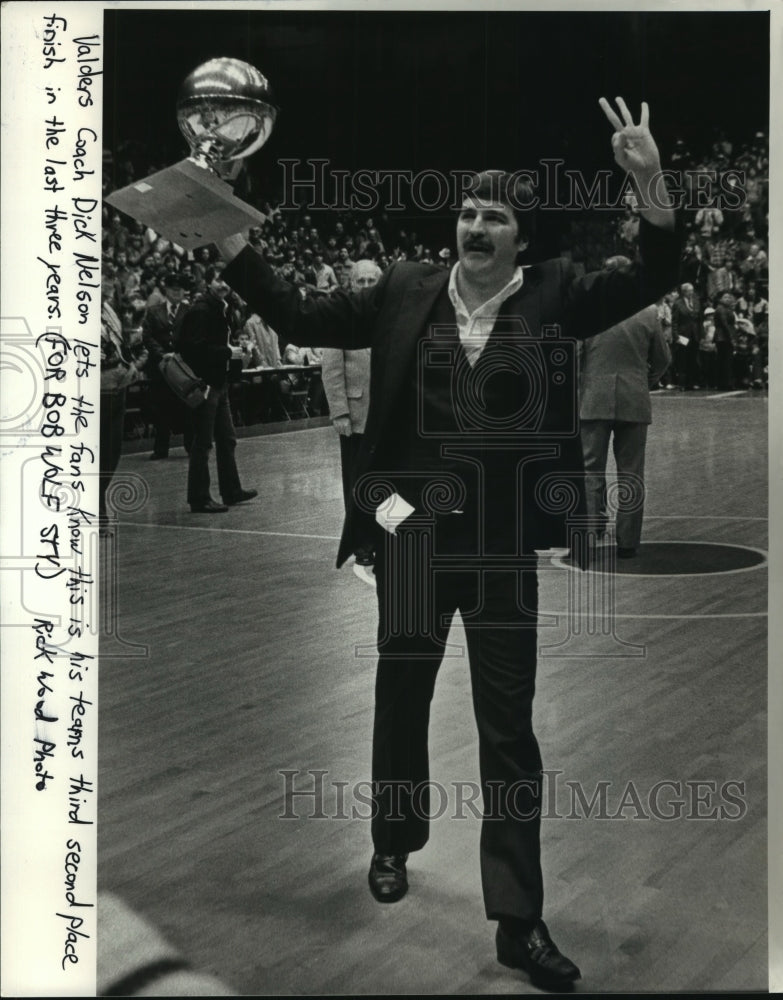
154, 457
625, 553
210, 507
536, 953
388, 877
240, 497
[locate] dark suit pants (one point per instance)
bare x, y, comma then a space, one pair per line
349, 451
686, 364
169, 414
499, 610
212, 422
724, 364
364, 525
628, 443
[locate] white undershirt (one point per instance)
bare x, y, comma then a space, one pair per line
475, 328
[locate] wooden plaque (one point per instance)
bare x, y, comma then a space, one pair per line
186, 204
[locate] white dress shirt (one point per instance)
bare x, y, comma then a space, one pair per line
475, 328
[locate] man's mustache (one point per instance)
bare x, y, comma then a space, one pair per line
475, 243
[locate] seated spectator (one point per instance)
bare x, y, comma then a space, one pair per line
248, 351
117, 236
331, 251
752, 305
305, 357
302, 356
128, 278
110, 287
256, 239
201, 261
313, 240
265, 339
305, 265
262, 398
343, 268
325, 278
755, 265
135, 250
158, 294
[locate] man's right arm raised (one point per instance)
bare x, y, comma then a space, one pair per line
341, 319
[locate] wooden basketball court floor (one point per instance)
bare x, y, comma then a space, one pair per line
231, 659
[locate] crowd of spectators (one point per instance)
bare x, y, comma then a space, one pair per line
318, 259
724, 260
725, 268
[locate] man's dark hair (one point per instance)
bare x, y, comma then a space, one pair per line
515, 190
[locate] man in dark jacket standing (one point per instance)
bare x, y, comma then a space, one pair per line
203, 341
158, 328
686, 337
725, 335
471, 461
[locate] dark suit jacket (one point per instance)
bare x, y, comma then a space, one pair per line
686, 322
158, 333
725, 325
391, 318
203, 340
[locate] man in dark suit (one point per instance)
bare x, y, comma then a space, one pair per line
471, 461
158, 328
686, 337
725, 336
203, 343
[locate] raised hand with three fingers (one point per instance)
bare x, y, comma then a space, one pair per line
635, 151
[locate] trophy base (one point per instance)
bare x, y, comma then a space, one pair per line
186, 204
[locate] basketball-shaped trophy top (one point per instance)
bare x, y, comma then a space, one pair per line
225, 111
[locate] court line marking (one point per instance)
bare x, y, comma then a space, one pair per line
661, 617
727, 395
233, 531
553, 561
695, 396
703, 517
557, 561
336, 538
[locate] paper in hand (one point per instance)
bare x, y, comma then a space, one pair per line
392, 512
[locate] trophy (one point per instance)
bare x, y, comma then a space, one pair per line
225, 112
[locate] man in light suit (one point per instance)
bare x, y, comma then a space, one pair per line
618, 368
470, 448
346, 381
